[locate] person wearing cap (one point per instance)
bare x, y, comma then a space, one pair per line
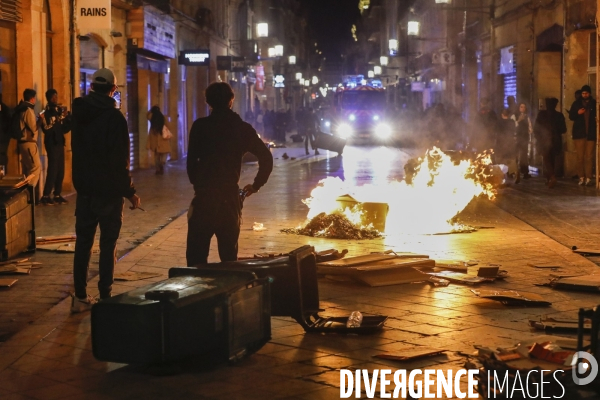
216, 147
100, 144
56, 122
30, 155
583, 115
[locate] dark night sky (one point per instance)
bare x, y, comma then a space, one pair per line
331, 21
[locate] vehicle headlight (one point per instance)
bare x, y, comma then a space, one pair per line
376, 118
327, 124
383, 131
352, 117
344, 131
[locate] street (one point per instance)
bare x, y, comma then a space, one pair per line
46, 352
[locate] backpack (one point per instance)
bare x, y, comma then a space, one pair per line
15, 131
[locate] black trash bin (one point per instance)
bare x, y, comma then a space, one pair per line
224, 314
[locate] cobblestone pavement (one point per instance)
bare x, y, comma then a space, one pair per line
51, 357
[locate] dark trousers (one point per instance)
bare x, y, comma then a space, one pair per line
213, 213
56, 169
523, 155
310, 136
549, 161
89, 213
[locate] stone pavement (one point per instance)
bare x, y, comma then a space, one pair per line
52, 359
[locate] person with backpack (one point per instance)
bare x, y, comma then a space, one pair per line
24, 130
56, 122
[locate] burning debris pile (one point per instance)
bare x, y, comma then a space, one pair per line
335, 226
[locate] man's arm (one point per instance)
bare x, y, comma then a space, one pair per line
573, 115
192, 158
265, 159
119, 157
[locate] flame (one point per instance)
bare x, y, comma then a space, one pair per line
427, 202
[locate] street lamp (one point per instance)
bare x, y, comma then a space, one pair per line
278, 50
299, 77
262, 30
315, 80
371, 74
393, 47
292, 60
413, 28
271, 52
306, 82
302, 80
377, 70
383, 60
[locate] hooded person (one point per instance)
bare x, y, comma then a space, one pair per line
100, 144
583, 115
547, 130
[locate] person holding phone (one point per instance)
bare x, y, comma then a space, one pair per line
583, 115
55, 122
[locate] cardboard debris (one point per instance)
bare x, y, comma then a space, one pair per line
512, 297
258, 227
411, 353
545, 266
379, 269
558, 325
20, 260
458, 277
487, 272
135, 276
451, 264
13, 269
330, 255
55, 239
584, 251
64, 247
551, 352
7, 282
588, 283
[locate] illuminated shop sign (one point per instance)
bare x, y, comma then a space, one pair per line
200, 58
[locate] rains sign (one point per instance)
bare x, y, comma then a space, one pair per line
93, 14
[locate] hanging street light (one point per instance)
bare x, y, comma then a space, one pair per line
371, 74
383, 60
292, 60
271, 52
315, 80
377, 70
393, 47
262, 30
279, 50
299, 77
413, 28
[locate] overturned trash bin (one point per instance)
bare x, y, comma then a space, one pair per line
294, 290
223, 314
372, 213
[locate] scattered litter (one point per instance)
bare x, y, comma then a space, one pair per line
55, 239
590, 252
335, 226
258, 227
512, 297
7, 282
20, 260
330, 255
293, 158
379, 269
558, 325
588, 283
460, 277
13, 269
64, 247
285, 156
412, 353
545, 266
465, 272
135, 276
551, 352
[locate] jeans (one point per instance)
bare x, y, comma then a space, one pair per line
213, 213
90, 212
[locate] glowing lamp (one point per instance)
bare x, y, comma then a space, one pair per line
262, 30
393, 47
377, 70
279, 50
371, 74
306, 82
413, 28
292, 60
383, 60
271, 52
299, 77
315, 80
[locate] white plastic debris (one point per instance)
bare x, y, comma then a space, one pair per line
258, 227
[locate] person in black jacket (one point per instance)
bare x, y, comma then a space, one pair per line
100, 143
548, 129
56, 121
216, 146
583, 115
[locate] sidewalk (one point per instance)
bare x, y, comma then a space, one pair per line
52, 357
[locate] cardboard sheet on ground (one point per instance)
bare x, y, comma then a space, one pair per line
512, 297
135, 276
380, 270
62, 247
411, 353
592, 252
588, 283
458, 277
13, 269
370, 259
55, 239
7, 282
545, 266
558, 325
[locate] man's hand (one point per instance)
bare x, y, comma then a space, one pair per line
249, 189
581, 111
135, 202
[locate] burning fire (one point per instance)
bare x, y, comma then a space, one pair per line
436, 190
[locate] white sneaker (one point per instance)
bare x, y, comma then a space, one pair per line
80, 305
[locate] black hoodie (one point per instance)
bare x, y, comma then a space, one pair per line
100, 143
